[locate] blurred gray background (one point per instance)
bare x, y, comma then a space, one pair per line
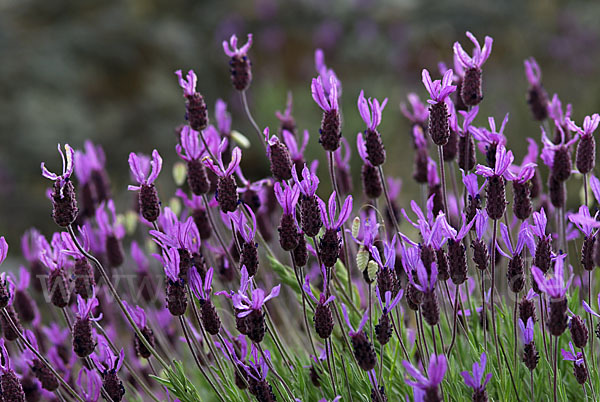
103, 70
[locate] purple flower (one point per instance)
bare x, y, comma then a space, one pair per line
201, 289
142, 174
109, 225
370, 111
572, 356
449, 231
426, 281
590, 124
361, 325
190, 144
480, 55
139, 257
85, 307
3, 249
177, 234
438, 90
539, 224
342, 160
481, 223
308, 185
327, 103
503, 160
389, 253
104, 359
5, 361
436, 371
587, 307
533, 72
330, 222
489, 137
287, 197
432, 176
67, 170
584, 221
550, 147
368, 230
555, 112
362, 149
246, 305
170, 260
554, 287
524, 238
470, 182
189, 83
468, 117
296, 153
90, 384
241, 224
323, 299
231, 48
387, 304
220, 170
258, 368
326, 74
595, 186
526, 332
222, 117
137, 313
474, 381
419, 113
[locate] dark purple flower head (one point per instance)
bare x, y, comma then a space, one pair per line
231, 48
361, 325
222, 117
550, 147
524, 238
287, 197
189, 83
85, 307
67, 170
555, 111
480, 55
141, 172
590, 124
218, 167
419, 113
572, 356
326, 74
309, 183
438, 90
526, 332
296, 152
584, 221
436, 371
137, 313
328, 213
504, 159
490, 137
3, 249
323, 299
387, 304
258, 364
201, 289
247, 304
370, 111
109, 225
242, 225
468, 117
89, 383
533, 72
327, 103
190, 144
554, 287
474, 381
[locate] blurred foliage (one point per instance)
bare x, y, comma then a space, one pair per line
104, 70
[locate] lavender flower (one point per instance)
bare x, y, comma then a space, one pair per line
326, 74
490, 139
586, 224
579, 369
11, 385
296, 150
383, 330
323, 318
560, 117
474, 381
139, 318
83, 335
495, 190
330, 132
3, 249
439, 129
64, 203
176, 291
239, 64
471, 92
249, 308
195, 106
109, 365
112, 231
556, 289
515, 273
436, 371
371, 179
90, 384
226, 187
363, 348
537, 98
371, 112
223, 118
148, 197
286, 120
419, 114
279, 156
288, 229
329, 245
558, 156
196, 172
208, 312
585, 158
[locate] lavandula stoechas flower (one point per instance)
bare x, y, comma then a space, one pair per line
480, 251
558, 159
537, 98
310, 216
419, 114
330, 131
198, 212
515, 274
195, 106
474, 381
95, 159
530, 353
370, 111
471, 91
495, 188
439, 91
208, 312
31, 252
421, 155
323, 318
257, 370
139, 317
457, 254
279, 156
362, 346
435, 375
196, 172
146, 281
527, 306
90, 384
288, 228
46, 378
7, 298
466, 145
145, 176
56, 262
23, 303
83, 273
473, 195
579, 331
587, 225
330, 243
522, 177
371, 180
113, 232
109, 365
556, 289
64, 202
543, 248
342, 164
239, 64
410, 262
427, 282
176, 291
83, 334
386, 276
12, 390
587, 308
383, 329
490, 140
286, 120
250, 308
579, 369
585, 158
559, 117
247, 231
226, 193
295, 148
434, 186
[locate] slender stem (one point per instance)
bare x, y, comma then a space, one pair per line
419, 341
542, 314
388, 200
585, 189
587, 366
39, 356
515, 329
443, 177
424, 339
590, 317
343, 361
281, 380
454, 322
484, 311
493, 261
399, 336
531, 382
555, 368
205, 334
117, 297
252, 121
435, 348
512, 379
329, 353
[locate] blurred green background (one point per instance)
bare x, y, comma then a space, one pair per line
103, 70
